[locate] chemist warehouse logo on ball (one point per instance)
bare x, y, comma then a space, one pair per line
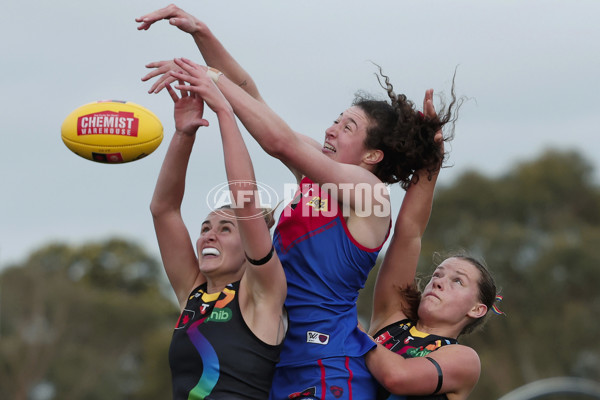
263, 196
108, 123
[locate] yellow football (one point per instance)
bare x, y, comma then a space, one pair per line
112, 131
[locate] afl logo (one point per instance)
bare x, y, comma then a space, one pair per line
262, 195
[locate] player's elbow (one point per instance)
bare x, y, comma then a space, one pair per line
159, 208
393, 380
276, 138
281, 146
156, 208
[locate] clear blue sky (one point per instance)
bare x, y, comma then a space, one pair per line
530, 69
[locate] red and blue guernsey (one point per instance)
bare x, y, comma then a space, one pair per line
325, 269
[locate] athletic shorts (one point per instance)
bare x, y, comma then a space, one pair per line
336, 378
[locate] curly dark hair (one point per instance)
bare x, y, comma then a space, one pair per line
404, 134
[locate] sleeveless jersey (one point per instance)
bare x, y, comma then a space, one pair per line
214, 355
403, 338
325, 269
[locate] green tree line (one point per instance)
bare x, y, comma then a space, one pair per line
94, 321
538, 229
89, 322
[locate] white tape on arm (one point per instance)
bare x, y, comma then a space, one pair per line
213, 74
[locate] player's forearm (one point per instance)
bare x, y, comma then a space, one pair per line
216, 55
266, 127
170, 186
238, 164
416, 206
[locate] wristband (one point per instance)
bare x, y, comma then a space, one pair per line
213, 74
263, 260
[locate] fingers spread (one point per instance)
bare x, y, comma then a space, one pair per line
183, 88
172, 93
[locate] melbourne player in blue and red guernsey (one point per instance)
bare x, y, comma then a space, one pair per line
329, 268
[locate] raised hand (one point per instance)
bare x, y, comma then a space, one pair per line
176, 16
161, 69
199, 83
429, 112
189, 109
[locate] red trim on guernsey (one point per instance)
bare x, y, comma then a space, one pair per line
323, 384
360, 246
350, 375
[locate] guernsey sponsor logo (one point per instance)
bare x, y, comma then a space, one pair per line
108, 123
220, 315
317, 337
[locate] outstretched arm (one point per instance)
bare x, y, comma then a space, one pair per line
280, 141
176, 248
401, 258
211, 49
213, 52
460, 366
418, 376
264, 286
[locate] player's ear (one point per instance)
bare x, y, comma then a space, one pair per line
373, 156
478, 311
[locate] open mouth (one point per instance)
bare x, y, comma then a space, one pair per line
329, 147
210, 251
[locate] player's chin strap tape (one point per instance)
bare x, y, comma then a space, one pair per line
263, 260
440, 375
